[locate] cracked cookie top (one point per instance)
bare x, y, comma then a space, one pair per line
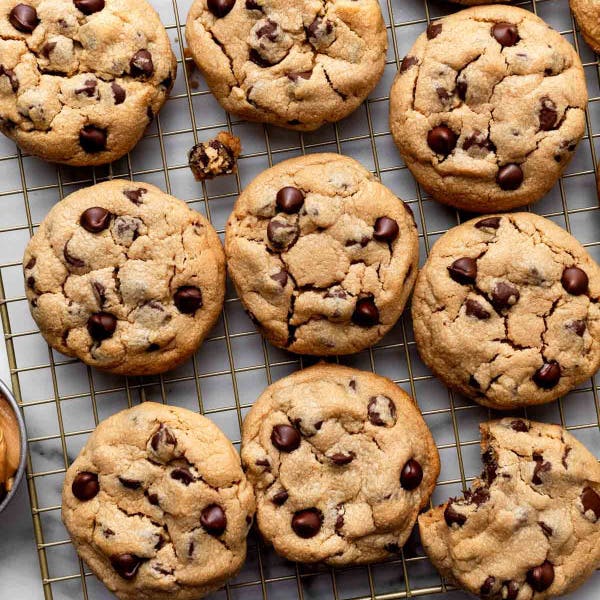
81, 79
506, 310
157, 504
587, 13
492, 123
125, 277
295, 64
323, 256
530, 525
341, 462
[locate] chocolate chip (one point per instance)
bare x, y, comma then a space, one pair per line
381, 411
92, 139
461, 90
478, 497
519, 425
281, 234
433, 30
339, 521
408, 62
392, 547
130, 484
135, 195
487, 586
548, 375
591, 501
163, 437
280, 498
366, 313
575, 281
577, 327
88, 89
213, 519
488, 223
512, 590
548, 115
442, 140
262, 462
126, 565
290, 199
188, 299
490, 471
141, 64
463, 270
24, 18
101, 326
341, 459
548, 531
12, 78
47, 48
451, 516
540, 467
153, 499
31, 282
506, 34
474, 383
119, 93
220, 8
385, 230
566, 453
480, 140
182, 474
411, 475
89, 7
285, 438
295, 75
541, 578
72, 260
253, 5
281, 278
510, 177
307, 523
95, 219
85, 486
504, 295
257, 59
475, 309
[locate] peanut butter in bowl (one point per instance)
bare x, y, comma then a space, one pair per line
10, 443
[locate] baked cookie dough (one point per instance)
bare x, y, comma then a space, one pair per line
125, 277
157, 504
297, 64
506, 310
488, 107
587, 13
341, 462
529, 528
81, 79
322, 255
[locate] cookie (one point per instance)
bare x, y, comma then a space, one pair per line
157, 504
125, 277
587, 13
10, 447
530, 525
322, 255
341, 462
215, 157
81, 79
492, 123
506, 311
297, 64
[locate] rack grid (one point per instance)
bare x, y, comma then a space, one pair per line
62, 400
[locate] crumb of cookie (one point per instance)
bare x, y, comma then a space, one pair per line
215, 157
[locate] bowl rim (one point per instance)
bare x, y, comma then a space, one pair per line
10, 398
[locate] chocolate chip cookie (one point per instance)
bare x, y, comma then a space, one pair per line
341, 462
157, 504
297, 64
491, 124
587, 13
506, 310
81, 79
529, 527
125, 277
322, 255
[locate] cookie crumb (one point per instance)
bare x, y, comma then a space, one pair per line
215, 157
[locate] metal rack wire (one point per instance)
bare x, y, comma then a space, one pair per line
63, 400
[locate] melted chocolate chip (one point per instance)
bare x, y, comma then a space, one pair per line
101, 326
442, 140
541, 578
478, 497
12, 78
591, 501
408, 62
506, 34
262, 462
89, 88
213, 520
290, 199
89, 7
510, 177
577, 327
478, 139
253, 5
341, 459
188, 299
488, 223
475, 309
296, 75
141, 64
307, 523
221, 8
47, 48
490, 471
504, 295
519, 425
153, 499
548, 375
130, 484
285, 438
281, 234
92, 139
575, 281
95, 219
385, 230
182, 474
487, 587
72, 260
433, 30
366, 313
281, 278
540, 467
381, 411
280, 498
411, 475
548, 531
135, 196
85, 486
24, 18
463, 270
452, 516
126, 565
119, 93
512, 590
163, 437
548, 115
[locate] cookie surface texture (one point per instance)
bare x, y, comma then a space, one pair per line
297, 64
506, 310
81, 80
587, 13
322, 255
125, 277
529, 528
341, 462
157, 504
492, 124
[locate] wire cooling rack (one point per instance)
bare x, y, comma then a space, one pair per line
63, 400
